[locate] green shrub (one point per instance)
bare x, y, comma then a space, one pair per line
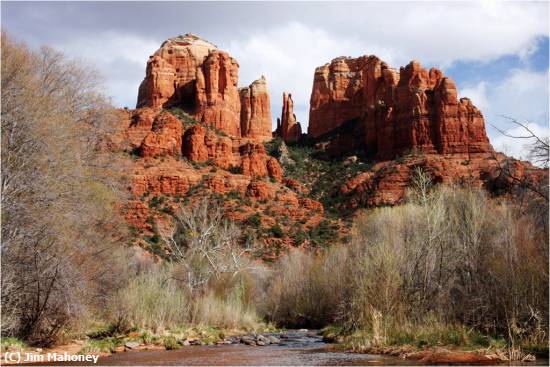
156, 201
299, 237
277, 231
236, 170
8, 343
170, 342
107, 345
254, 219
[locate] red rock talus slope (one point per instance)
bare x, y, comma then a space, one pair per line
172, 163
287, 127
192, 74
388, 112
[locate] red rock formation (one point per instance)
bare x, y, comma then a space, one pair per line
256, 162
274, 169
165, 137
217, 101
171, 72
336, 95
387, 181
255, 111
192, 74
287, 127
201, 145
371, 106
194, 144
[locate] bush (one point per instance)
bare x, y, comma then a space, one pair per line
306, 290
152, 300
237, 170
254, 220
277, 231
453, 252
107, 345
170, 342
228, 313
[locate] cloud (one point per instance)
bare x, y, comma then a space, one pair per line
445, 32
478, 95
518, 148
287, 56
120, 58
522, 95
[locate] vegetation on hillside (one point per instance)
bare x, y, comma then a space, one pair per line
321, 174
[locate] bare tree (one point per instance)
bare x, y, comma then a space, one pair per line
538, 147
58, 222
538, 153
206, 244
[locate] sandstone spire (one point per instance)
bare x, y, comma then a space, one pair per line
288, 128
255, 111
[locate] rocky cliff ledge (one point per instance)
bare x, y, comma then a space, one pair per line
386, 112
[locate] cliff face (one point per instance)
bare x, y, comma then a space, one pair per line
386, 113
192, 74
256, 111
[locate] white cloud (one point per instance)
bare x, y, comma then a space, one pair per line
478, 95
121, 59
523, 95
288, 56
518, 148
445, 32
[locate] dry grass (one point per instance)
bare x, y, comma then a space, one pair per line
152, 300
446, 267
228, 313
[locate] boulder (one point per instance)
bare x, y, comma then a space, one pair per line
273, 339
131, 345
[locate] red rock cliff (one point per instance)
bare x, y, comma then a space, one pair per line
192, 74
255, 111
392, 112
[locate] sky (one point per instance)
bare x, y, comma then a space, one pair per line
497, 52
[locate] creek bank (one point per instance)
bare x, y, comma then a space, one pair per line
450, 356
290, 347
